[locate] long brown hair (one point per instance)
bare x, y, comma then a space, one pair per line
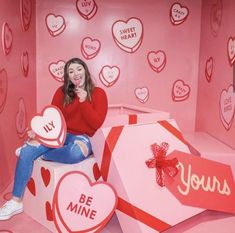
68, 87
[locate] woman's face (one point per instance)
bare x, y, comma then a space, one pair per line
76, 73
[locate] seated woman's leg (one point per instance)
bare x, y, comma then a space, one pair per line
24, 166
78, 149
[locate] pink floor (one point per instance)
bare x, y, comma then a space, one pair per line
206, 222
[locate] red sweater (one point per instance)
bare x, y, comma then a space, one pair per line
85, 117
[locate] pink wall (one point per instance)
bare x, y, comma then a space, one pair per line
140, 68
216, 101
17, 80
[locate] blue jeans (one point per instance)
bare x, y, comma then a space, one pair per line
70, 153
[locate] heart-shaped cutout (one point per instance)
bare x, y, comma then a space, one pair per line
49, 212
180, 91
109, 75
49, 127
128, 34
86, 8
55, 24
3, 88
142, 94
25, 13
46, 176
79, 203
57, 70
157, 60
31, 186
227, 107
90, 47
178, 13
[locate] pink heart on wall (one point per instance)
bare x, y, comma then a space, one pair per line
109, 75
7, 38
55, 24
86, 8
157, 60
25, 13
180, 91
209, 68
3, 88
142, 94
90, 47
57, 70
25, 63
216, 17
231, 50
178, 14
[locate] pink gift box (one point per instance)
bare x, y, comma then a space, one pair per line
121, 153
40, 189
122, 114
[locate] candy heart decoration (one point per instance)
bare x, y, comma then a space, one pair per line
109, 75
25, 13
46, 176
49, 212
86, 8
231, 50
55, 24
3, 88
178, 14
157, 60
21, 119
31, 186
83, 210
57, 70
7, 38
50, 127
227, 107
128, 35
142, 94
209, 69
216, 17
180, 91
90, 47
25, 63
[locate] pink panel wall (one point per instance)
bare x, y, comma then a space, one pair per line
17, 79
216, 98
142, 54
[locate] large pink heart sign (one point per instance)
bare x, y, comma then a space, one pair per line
128, 35
109, 75
50, 127
231, 50
142, 94
7, 38
90, 47
209, 69
21, 119
82, 206
55, 24
180, 91
216, 17
56, 69
178, 13
87, 8
25, 63
3, 88
227, 107
25, 13
157, 60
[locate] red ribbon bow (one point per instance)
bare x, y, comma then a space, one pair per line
165, 168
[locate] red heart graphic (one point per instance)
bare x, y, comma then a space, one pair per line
96, 171
31, 186
46, 176
49, 214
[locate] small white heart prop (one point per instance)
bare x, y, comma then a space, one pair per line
57, 70
87, 8
50, 127
109, 75
7, 38
178, 14
209, 68
90, 47
25, 13
55, 24
180, 91
25, 63
157, 60
227, 107
142, 94
82, 206
128, 35
231, 50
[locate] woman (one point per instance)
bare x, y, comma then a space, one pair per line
84, 107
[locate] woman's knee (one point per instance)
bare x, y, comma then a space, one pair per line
77, 154
28, 152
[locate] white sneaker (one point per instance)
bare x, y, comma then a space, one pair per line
10, 208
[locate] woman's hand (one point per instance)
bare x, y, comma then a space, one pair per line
31, 134
81, 93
